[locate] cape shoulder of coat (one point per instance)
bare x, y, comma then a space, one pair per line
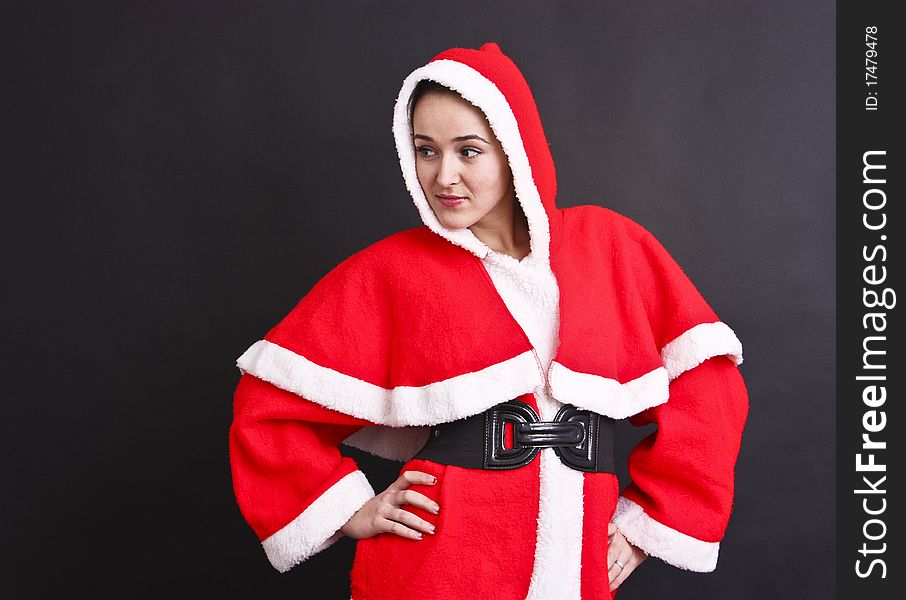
411, 331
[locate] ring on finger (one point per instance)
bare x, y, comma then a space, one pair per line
619, 564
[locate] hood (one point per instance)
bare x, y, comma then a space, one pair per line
491, 81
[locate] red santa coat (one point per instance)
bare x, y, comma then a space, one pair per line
411, 332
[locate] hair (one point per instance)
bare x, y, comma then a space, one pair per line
424, 87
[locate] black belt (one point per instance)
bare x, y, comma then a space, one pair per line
581, 438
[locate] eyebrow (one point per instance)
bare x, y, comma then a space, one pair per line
460, 138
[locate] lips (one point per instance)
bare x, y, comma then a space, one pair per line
450, 201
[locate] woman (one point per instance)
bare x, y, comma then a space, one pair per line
491, 351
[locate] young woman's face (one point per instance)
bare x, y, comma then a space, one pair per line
461, 166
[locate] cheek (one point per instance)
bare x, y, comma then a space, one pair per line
424, 175
492, 180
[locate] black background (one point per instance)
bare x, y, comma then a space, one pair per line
178, 174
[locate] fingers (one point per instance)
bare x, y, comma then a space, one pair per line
622, 558
616, 544
620, 569
401, 522
402, 531
407, 478
416, 499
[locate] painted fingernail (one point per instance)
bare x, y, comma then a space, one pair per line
432, 529
436, 509
418, 535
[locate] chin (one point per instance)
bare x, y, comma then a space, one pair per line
456, 223
452, 220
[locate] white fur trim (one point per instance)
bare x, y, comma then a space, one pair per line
656, 539
608, 396
319, 525
481, 92
697, 345
557, 570
529, 290
392, 443
438, 402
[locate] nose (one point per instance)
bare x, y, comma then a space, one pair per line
448, 173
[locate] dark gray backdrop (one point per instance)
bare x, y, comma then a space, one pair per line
178, 175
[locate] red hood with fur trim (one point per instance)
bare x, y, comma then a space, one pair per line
491, 81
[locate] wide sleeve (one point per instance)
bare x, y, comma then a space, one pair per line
678, 503
292, 484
